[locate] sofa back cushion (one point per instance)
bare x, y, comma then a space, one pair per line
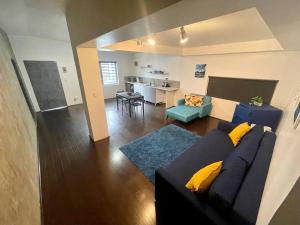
247, 149
206, 99
247, 202
213, 147
225, 188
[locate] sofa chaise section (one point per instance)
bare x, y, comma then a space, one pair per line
188, 113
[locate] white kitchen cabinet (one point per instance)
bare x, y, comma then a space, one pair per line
151, 94
138, 88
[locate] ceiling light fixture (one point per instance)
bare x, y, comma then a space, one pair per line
151, 41
183, 36
139, 43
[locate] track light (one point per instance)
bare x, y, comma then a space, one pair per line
183, 36
151, 41
139, 43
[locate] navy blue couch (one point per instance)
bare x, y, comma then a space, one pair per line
177, 205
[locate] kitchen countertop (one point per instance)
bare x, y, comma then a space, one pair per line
155, 87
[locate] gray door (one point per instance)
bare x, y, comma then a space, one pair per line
46, 83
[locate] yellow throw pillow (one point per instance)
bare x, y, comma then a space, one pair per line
202, 179
238, 132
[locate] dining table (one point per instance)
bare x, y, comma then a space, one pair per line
131, 97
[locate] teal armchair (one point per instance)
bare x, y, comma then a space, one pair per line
187, 113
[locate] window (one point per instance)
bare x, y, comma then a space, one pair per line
109, 72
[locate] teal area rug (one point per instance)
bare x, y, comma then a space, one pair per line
159, 148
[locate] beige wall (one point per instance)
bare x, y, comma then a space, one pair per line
91, 18
19, 189
93, 89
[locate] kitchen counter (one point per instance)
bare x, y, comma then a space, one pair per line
155, 94
155, 87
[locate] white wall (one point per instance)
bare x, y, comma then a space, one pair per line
125, 68
169, 64
282, 66
33, 48
284, 169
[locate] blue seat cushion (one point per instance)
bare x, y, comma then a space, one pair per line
213, 147
248, 147
225, 188
183, 113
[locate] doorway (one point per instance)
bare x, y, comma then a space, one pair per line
46, 83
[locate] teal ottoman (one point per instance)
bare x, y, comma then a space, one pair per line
183, 113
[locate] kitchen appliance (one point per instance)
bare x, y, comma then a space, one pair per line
165, 83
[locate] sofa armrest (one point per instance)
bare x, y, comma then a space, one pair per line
226, 127
205, 109
181, 101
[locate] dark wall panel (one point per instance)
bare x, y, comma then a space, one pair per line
241, 90
24, 89
46, 83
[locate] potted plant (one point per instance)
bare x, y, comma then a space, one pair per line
257, 100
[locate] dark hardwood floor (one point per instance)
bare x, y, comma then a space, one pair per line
86, 183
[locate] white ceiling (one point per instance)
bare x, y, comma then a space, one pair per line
39, 18
241, 26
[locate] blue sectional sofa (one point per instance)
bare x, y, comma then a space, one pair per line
235, 196
187, 113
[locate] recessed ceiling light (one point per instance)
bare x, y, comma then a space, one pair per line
183, 36
151, 41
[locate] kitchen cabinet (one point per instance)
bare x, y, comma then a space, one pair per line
151, 94
160, 96
138, 88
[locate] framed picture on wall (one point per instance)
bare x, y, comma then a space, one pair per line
200, 70
297, 114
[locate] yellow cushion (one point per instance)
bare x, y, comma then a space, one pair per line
238, 132
202, 179
193, 100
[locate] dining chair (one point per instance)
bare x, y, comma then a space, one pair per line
136, 105
124, 101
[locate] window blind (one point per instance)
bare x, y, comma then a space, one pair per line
109, 72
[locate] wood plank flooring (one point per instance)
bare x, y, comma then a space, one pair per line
86, 183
